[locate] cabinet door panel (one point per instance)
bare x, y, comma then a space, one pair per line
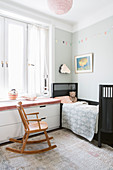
32, 110
9, 117
10, 131
53, 122
50, 110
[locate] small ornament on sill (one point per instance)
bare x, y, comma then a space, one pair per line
13, 94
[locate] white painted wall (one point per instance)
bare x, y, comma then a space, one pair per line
63, 53
101, 46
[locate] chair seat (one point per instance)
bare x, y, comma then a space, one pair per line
35, 126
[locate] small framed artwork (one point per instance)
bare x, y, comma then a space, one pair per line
83, 63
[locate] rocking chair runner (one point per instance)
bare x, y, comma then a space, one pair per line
37, 126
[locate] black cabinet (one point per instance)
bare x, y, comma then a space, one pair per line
105, 113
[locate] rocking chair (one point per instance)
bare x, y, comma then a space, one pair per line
37, 126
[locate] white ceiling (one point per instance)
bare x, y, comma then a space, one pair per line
83, 12
81, 9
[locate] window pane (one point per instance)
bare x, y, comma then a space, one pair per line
37, 59
16, 58
33, 60
2, 92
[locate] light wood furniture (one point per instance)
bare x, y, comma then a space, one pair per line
10, 122
36, 126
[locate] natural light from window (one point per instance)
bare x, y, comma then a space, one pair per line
24, 58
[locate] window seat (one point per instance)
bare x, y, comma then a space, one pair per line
7, 105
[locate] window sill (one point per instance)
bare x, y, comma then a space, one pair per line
22, 98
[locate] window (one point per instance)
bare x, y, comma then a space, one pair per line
24, 58
16, 55
2, 71
37, 60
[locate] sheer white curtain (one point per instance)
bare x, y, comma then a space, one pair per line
38, 60
44, 60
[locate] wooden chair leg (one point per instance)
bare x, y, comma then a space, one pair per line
24, 136
24, 142
47, 138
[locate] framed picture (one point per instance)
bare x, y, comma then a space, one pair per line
83, 63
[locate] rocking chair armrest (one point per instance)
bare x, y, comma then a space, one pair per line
36, 119
36, 113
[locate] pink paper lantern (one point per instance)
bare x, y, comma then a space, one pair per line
60, 6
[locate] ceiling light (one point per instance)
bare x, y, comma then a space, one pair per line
60, 6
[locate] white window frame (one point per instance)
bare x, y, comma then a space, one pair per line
51, 57
4, 57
